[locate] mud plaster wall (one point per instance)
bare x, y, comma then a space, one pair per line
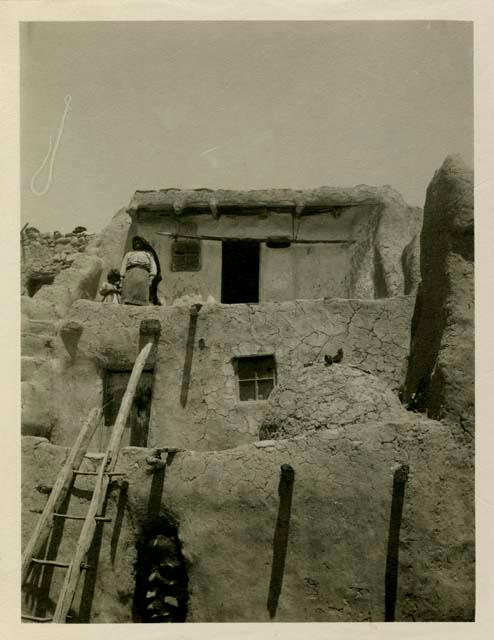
300, 271
443, 345
226, 505
374, 335
372, 266
382, 262
110, 243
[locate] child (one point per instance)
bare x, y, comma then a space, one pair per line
111, 288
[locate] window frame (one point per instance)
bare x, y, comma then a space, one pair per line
259, 375
186, 255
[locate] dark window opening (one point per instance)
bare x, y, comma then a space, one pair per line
256, 377
240, 271
137, 427
34, 283
186, 255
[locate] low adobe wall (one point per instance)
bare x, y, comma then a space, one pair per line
317, 546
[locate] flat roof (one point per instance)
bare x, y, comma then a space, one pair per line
223, 201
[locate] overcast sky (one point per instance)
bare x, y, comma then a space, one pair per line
240, 105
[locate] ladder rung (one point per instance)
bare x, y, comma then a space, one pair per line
62, 565
95, 473
68, 516
51, 563
35, 618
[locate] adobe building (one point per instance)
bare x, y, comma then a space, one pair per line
282, 376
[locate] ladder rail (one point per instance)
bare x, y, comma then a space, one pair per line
59, 491
102, 482
85, 540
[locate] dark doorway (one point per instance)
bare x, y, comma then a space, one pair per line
240, 271
137, 427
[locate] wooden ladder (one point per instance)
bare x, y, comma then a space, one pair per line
64, 481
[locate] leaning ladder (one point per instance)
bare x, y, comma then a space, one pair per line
64, 481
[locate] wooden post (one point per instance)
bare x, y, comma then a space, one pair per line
59, 491
107, 465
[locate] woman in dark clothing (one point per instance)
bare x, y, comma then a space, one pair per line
153, 289
141, 273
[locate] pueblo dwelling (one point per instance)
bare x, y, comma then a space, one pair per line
290, 401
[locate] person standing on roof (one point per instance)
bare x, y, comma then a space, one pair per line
153, 289
138, 272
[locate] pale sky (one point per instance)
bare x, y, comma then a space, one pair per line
237, 105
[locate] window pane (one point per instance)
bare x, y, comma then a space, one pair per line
186, 255
264, 389
247, 390
246, 368
265, 368
256, 377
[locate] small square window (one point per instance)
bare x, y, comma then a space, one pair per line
256, 377
186, 255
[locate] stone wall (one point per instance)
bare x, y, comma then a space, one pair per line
374, 336
315, 549
46, 254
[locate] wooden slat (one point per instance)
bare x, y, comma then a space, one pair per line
59, 491
101, 486
51, 563
36, 618
95, 473
69, 516
231, 238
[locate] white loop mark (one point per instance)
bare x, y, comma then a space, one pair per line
67, 101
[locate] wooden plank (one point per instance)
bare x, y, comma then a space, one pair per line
69, 516
51, 563
95, 473
35, 618
59, 491
232, 238
101, 486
